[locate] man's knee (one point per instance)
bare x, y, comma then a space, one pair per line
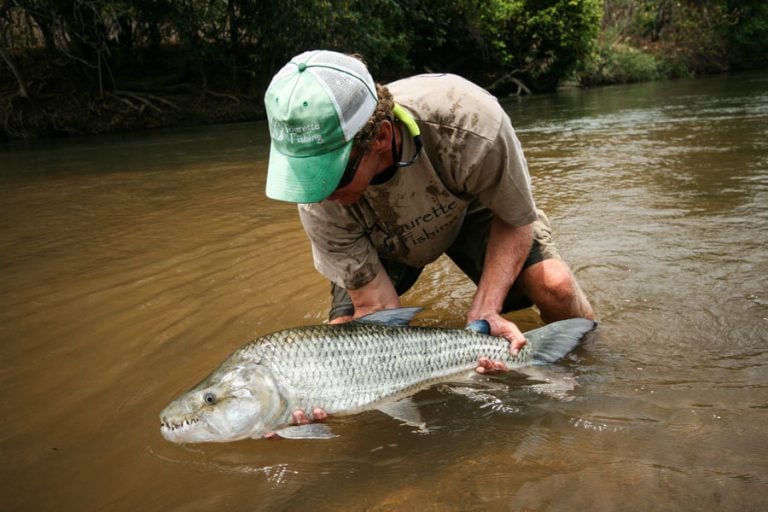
550, 277
553, 288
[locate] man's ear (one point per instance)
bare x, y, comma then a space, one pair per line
383, 139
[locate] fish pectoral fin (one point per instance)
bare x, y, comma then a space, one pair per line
308, 431
405, 411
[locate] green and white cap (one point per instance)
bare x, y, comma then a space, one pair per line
315, 105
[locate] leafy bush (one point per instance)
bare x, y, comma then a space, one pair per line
747, 36
542, 41
614, 61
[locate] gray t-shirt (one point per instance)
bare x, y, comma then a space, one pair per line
471, 158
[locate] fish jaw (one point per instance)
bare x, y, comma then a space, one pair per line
238, 400
180, 426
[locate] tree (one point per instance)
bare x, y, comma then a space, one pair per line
546, 40
747, 35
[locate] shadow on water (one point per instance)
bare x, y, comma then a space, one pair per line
131, 265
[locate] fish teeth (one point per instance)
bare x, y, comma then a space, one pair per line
171, 425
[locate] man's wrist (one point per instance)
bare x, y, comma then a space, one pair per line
483, 306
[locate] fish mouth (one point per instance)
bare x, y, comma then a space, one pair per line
172, 429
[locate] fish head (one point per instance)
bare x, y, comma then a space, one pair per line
240, 399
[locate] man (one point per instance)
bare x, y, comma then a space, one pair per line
374, 220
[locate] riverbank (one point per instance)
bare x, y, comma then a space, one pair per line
83, 67
62, 99
80, 113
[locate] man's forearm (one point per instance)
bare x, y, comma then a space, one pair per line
508, 247
376, 295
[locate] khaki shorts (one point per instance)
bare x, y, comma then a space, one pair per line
468, 252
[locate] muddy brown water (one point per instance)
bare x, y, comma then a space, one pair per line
131, 265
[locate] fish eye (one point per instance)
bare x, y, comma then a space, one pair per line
209, 398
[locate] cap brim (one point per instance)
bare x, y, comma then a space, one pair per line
305, 179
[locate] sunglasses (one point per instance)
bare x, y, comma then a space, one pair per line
350, 170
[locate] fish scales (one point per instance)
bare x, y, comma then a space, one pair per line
343, 368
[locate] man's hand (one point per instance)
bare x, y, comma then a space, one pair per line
485, 365
299, 417
500, 326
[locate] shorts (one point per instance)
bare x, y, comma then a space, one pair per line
468, 253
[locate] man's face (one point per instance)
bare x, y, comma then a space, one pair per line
356, 179
363, 166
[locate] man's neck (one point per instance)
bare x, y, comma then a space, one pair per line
389, 172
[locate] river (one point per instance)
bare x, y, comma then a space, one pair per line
131, 265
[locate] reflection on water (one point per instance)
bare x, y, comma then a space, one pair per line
132, 265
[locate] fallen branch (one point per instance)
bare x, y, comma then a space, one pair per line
145, 99
161, 100
131, 96
222, 95
521, 87
125, 101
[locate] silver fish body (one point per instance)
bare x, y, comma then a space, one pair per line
342, 369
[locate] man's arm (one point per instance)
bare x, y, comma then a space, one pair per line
508, 247
378, 294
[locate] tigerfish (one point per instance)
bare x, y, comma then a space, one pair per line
375, 362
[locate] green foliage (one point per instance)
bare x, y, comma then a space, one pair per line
615, 62
555, 36
683, 37
538, 41
236, 45
747, 35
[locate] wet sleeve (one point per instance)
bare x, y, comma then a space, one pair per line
341, 250
496, 173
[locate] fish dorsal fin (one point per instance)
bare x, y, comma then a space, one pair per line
394, 316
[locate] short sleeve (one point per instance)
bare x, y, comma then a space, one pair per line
340, 248
498, 177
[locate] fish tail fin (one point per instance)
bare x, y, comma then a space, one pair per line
554, 341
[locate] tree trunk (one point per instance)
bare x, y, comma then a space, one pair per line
22, 87
234, 42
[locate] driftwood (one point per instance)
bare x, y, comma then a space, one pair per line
222, 95
144, 99
148, 88
504, 82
